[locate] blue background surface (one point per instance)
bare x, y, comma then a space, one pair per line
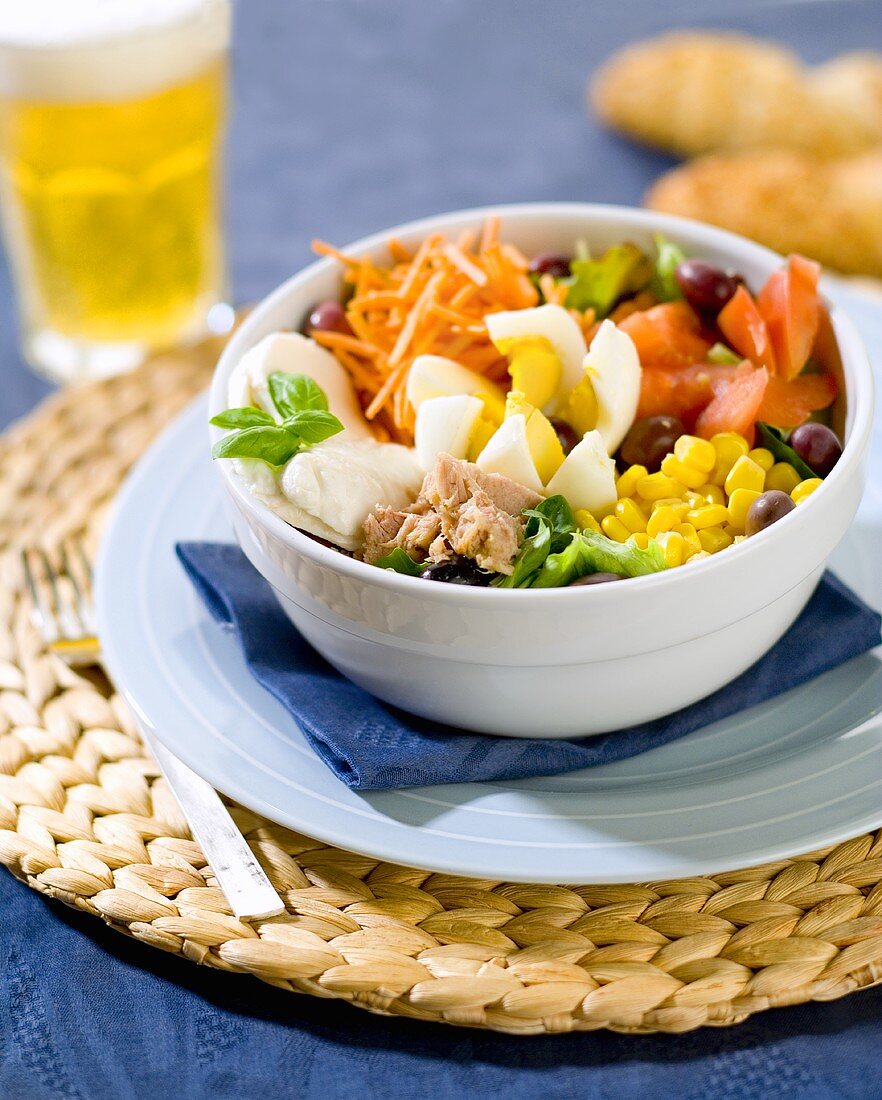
351, 115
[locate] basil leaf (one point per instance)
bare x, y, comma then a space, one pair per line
599, 284
774, 440
241, 418
664, 279
533, 552
399, 561
274, 445
722, 356
293, 393
313, 425
557, 511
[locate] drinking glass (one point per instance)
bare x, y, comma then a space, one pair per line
112, 117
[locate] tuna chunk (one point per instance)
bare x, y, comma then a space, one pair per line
460, 511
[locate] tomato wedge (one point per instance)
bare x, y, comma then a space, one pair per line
735, 408
787, 404
683, 392
667, 336
745, 330
790, 306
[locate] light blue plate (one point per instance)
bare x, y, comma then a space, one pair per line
795, 774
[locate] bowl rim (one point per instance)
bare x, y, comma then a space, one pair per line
855, 361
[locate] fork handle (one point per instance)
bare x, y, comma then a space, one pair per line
248, 890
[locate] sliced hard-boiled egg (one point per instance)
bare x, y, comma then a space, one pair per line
436, 376
292, 353
508, 453
579, 407
445, 425
587, 476
613, 367
545, 448
545, 349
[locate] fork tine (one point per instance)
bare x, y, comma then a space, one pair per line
68, 622
81, 602
42, 616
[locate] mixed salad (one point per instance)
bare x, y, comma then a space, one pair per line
471, 415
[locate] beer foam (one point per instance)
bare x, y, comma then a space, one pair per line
83, 50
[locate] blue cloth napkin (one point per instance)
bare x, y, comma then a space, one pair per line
371, 746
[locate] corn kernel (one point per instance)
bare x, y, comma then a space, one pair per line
713, 494
739, 505
711, 515
745, 474
658, 485
626, 485
690, 538
728, 447
782, 476
673, 547
677, 503
585, 521
614, 528
630, 515
695, 452
714, 539
690, 476
663, 519
805, 489
694, 499
762, 457
698, 556
640, 540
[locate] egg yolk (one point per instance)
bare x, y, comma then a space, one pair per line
483, 429
545, 448
580, 407
534, 366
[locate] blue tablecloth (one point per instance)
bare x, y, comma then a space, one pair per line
351, 115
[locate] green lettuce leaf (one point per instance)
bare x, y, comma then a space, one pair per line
664, 281
557, 512
599, 284
400, 562
534, 550
591, 552
722, 355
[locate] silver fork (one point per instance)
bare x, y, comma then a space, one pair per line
63, 612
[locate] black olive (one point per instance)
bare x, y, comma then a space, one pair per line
458, 571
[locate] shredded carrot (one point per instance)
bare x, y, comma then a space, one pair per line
431, 301
397, 251
471, 271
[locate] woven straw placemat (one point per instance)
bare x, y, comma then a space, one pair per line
85, 818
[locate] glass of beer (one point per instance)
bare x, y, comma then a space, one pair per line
111, 130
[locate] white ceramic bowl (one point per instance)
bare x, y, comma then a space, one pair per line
554, 662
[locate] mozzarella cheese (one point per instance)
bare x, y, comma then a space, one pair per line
292, 353
329, 489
